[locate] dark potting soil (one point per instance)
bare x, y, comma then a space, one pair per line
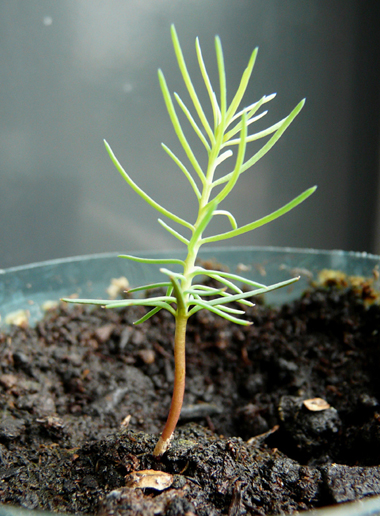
84, 393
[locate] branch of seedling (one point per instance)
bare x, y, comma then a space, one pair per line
184, 296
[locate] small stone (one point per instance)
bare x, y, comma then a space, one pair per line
158, 480
47, 306
18, 318
124, 338
368, 401
11, 428
103, 333
117, 287
199, 411
51, 422
20, 358
242, 267
148, 356
8, 380
138, 337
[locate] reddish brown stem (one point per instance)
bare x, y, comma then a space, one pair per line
179, 385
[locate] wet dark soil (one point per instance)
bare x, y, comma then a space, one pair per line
84, 393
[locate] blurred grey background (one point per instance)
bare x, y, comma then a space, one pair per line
76, 71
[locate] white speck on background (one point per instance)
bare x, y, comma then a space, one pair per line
127, 87
47, 20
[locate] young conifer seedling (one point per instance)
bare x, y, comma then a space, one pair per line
185, 294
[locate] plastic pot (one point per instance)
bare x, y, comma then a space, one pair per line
29, 287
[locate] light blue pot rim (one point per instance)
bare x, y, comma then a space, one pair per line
208, 251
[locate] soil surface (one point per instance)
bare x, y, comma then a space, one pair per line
84, 394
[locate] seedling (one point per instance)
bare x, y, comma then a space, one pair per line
184, 293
